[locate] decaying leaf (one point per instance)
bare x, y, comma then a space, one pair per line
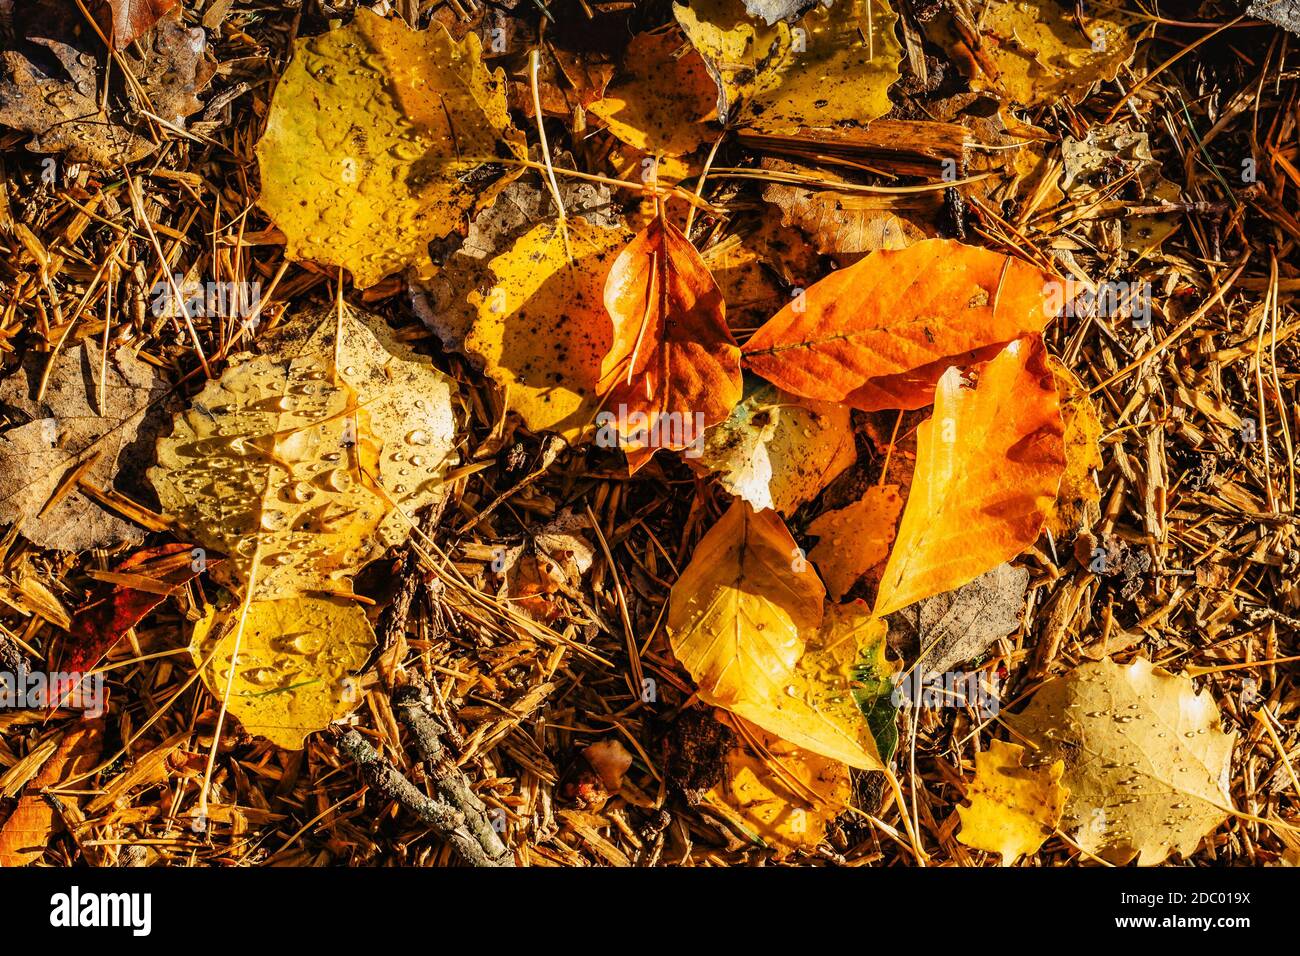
1077, 501
68, 430
552, 561
662, 102
542, 330
989, 463
381, 139
125, 21
879, 333
1013, 809
855, 539
1146, 758
850, 225
304, 463
673, 367
174, 68
293, 663
957, 626
1037, 53
778, 451
746, 621
27, 830
777, 794
141, 582
62, 107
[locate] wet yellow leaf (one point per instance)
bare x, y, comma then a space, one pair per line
855, 539
302, 469
778, 794
1013, 808
1147, 761
1036, 53
743, 55
746, 620
292, 672
380, 139
1079, 496
542, 329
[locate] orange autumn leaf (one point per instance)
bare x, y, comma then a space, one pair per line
989, 462
26, 831
674, 367
881, 332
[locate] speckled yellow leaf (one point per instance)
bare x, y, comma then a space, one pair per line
542, 329
300, 469
855, 539
1147, 761
662, 100
380, 139
841, 63
778, 794
1038, 51
1013, 808
293, 665
743, 54
746, 621
1079, 496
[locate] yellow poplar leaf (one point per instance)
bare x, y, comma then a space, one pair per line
778, 794
989, 462
745, 620
1037, 53
379, 140
292, 675
662, 102
1013, 809
542, 329
673, 367
1147, 761
855, 539
839, 69
306, 468
743, 55
1079, 495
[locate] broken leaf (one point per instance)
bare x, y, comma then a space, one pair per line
381, 139
67, 430
855, 539
306, 462
778, 794
293, 663
1146, 758
1078, 498
879, 333
989, 462
1013, 808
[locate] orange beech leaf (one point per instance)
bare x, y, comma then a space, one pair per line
988, 465
674, 367
27, 830
879, 333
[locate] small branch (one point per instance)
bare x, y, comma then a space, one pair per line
446, 819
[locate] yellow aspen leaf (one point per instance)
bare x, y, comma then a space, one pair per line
541, 328
746, 621
380, 139
1037, 53
308, 460
1147, 762
293, 661
879, 333
779, 795
673, 368
855, 539
988, 466
1013, 809
1078, 498
743, 55
662, 101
